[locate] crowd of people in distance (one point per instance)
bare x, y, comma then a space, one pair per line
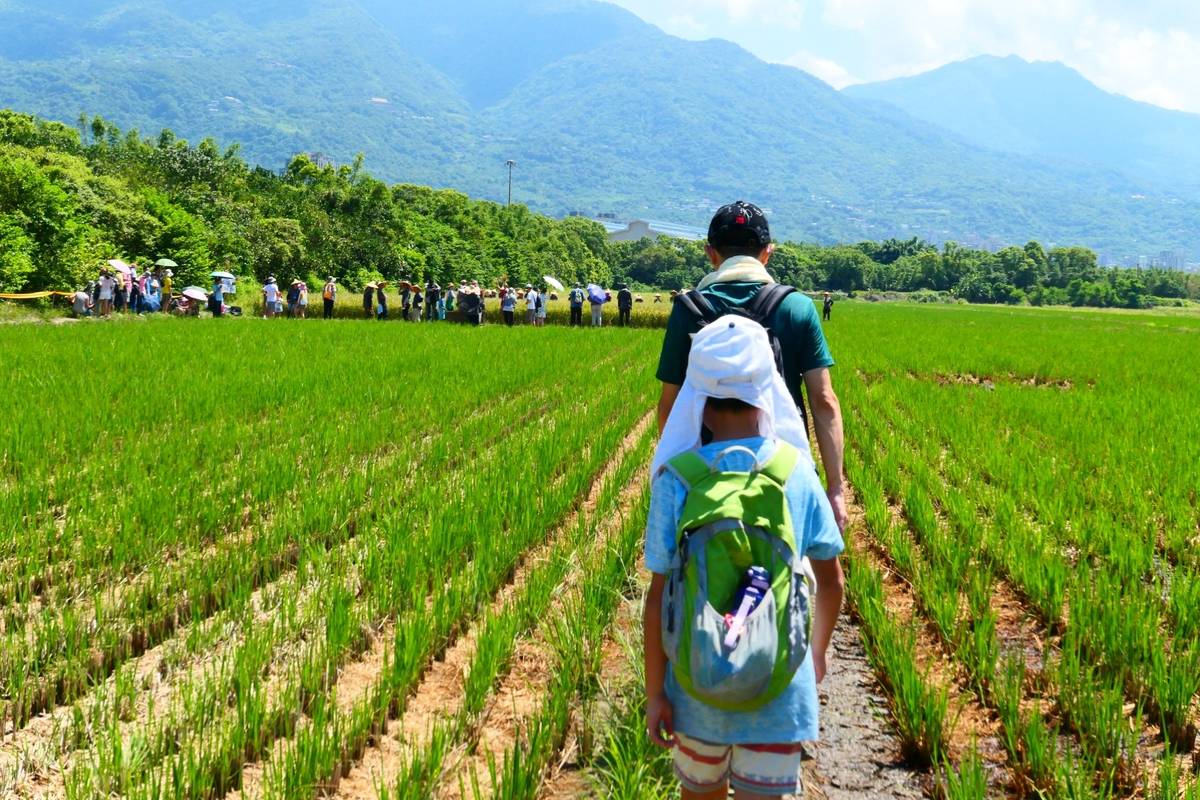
431, 302
124, 288
127, 288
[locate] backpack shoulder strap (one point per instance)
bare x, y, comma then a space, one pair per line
781, 465
689, 468
764, 305
698, 306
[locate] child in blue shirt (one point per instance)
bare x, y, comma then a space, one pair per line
733, 389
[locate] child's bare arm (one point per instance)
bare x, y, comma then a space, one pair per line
831, 586
658, 708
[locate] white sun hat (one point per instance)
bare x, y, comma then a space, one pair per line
731, 358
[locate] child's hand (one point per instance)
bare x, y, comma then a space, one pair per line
659, 722
819, 665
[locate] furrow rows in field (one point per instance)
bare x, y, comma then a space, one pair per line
966, 722
236, 572
380, 702
1101, 626
526, 720
201, 665
456, 681
83, 552
463, 587
1115, 741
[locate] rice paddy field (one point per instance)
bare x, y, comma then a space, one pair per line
252, 559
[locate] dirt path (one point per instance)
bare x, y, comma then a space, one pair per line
859, 753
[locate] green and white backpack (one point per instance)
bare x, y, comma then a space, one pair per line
733, 521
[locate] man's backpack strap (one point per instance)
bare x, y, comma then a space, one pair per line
698, 306
689, 468
781, 465
764, 305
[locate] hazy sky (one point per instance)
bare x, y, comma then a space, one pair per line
1146, 49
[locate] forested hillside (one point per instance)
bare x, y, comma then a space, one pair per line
602, 112
70, 199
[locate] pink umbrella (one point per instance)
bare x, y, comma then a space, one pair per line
120, 266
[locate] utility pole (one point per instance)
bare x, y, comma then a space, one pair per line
510, 163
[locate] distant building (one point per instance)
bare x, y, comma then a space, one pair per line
1171, 259
320, 159
646, 229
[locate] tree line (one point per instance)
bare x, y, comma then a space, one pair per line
72, 197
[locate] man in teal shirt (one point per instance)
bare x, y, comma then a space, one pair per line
739, 247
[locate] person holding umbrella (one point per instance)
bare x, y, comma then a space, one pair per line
193, 296
597, 297
270, 293
329, 296
216, 300
167, 285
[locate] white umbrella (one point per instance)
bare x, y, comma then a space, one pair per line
226, 275
553, 282
120, 266
195, 293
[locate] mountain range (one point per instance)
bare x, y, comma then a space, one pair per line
1049, 110
601, 111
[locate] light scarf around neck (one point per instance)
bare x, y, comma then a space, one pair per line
742, 269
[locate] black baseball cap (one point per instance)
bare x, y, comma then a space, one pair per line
739, 224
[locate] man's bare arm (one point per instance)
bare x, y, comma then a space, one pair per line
666, 402
827, 420
831, 586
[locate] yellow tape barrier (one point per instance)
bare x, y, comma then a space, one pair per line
35, 295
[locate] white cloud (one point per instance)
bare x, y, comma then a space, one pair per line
826, 69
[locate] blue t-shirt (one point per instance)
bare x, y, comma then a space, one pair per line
791, 717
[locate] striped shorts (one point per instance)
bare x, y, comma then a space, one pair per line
774, 770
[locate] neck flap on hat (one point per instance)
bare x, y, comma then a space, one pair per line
731, 357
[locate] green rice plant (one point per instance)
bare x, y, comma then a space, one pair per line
977, 648
967, 781
1173, 683
1094, 707
627, 765
420, 774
